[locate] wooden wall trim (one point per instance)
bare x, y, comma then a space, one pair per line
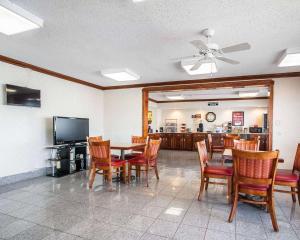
213, 85
48, 72
209, 80
209, 100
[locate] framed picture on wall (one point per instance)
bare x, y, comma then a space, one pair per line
238, 118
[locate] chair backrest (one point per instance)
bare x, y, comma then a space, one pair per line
139, 139
228, 141
257, 168
247, 145
152, 149
297, 159
203, 156
93, 139
100, 152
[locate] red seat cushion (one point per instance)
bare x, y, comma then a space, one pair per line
114, 162
283, 175
138, 160
133, 155
115, 156
219, 170
254, 187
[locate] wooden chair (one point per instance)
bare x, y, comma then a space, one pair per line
147, 160
89, 140
102, 162
207, 172
290, 178
254, 174
213, 147
136, 152
228, 141
246, 145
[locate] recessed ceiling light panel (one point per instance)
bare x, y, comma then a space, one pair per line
175, 97
120, 74
205, 68
290, 58
14, 19
248, 94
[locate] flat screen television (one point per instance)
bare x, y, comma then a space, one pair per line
22, 96
69, 130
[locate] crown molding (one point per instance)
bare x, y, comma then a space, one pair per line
47, 71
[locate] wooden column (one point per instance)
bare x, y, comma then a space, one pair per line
270, 115
145, 100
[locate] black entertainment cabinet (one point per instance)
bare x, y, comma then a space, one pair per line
67, 159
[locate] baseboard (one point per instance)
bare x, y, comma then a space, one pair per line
22, 176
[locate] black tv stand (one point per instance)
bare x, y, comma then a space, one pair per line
67, 159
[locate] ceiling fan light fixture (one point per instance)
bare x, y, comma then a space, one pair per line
120, 74
205, 68
14, 19
290, 58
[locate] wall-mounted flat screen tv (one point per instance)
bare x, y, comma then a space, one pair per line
68, 130
22, 96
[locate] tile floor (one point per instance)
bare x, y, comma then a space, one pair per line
65, 209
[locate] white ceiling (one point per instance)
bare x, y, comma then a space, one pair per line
209, 94
82, 37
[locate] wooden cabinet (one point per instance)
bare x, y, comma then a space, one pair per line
187, 141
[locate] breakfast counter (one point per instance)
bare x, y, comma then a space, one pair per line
187, 141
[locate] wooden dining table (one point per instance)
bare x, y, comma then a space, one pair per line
228, 153
125, 147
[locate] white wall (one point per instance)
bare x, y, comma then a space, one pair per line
122, 114
25, 132
253, 113
286, 119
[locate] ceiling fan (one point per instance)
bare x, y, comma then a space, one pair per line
210, 52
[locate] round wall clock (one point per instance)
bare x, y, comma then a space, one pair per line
210, 117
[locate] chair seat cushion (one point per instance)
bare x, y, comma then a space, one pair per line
132, 155
139, 160
114, 162
219, 170
254, 187
115, 156
283, 175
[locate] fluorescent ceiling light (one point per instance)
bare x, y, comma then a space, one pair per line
138, 1
290, 57
175, 97
120, 74
248, 94
205, 68
14, 19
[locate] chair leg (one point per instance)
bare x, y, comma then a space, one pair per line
156, 172
229, 191
147, 175
124, 173
129, 172
110, 188
234, 205
293, 189
206, 184
92, 177
271, 208
201, 188
298, 191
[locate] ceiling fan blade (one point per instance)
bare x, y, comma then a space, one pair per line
228, 60
236, 48
196, 66
199, 44
186, 58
